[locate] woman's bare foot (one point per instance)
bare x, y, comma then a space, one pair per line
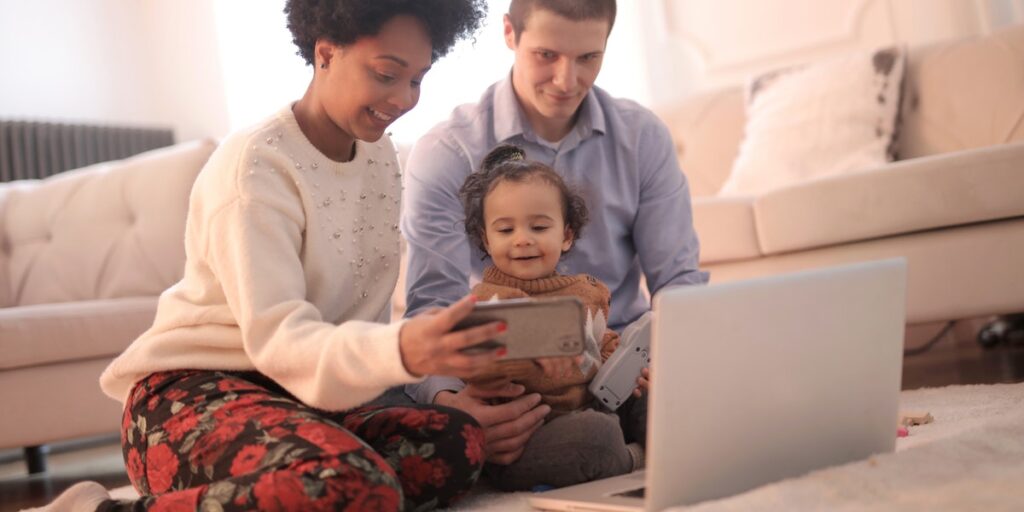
81, 497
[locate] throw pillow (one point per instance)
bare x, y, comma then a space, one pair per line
820, 120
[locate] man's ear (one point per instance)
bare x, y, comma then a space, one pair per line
567, 241
510, 33
324, 51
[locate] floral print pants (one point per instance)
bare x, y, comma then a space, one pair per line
209, 440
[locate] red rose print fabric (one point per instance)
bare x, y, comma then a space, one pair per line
238, 441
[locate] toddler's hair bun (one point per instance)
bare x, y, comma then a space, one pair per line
502, 154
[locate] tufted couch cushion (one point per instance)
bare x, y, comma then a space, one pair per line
106, 231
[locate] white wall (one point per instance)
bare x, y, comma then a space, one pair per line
55, 61
206, 67
260, 67
112, 61
188, 81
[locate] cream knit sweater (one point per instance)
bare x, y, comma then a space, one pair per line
291, 259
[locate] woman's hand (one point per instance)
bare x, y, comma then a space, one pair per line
428, 346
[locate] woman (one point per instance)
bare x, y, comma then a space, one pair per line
245, 392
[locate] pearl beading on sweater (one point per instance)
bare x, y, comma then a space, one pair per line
337, 205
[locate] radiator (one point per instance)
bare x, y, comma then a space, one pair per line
30, 150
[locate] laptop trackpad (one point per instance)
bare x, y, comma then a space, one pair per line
633, 493
636, 478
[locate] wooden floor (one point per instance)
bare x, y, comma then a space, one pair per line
100, 460
94, 459
963, 364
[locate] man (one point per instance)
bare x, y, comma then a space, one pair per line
615, 152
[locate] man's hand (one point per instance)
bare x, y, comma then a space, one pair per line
507, 427
643, 382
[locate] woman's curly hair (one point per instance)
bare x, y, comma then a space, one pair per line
345, 21
508, 163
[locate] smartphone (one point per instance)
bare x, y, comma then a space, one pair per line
549, 327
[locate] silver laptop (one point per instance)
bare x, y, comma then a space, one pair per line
760, 380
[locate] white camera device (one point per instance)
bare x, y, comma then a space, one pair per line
616, 379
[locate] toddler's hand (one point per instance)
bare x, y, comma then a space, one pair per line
643, 382
557, 367
428, 347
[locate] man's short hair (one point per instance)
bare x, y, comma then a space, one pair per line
577, 10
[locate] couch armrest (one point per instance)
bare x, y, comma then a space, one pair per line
52, 333
726, 229
964, 94
912, 195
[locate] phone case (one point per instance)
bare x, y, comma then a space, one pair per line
550, 327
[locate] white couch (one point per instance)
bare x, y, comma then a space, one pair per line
83, 257
953, 205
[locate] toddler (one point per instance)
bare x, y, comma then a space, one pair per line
524, 216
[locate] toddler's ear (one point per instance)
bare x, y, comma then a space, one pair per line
568, 239
483, 239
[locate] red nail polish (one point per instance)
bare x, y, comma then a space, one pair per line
501, 352
502, 327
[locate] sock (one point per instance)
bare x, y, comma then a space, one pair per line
636, 452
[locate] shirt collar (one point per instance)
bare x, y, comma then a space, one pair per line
591, 116
510, 120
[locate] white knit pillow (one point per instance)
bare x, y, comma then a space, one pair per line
830, 118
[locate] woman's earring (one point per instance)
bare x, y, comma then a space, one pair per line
323, 65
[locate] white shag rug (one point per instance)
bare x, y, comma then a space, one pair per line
971, 457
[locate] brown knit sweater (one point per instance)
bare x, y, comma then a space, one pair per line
562, 394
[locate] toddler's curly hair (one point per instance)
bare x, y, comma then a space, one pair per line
508, 162
345, 21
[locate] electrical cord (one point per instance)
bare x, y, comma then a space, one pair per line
930, 343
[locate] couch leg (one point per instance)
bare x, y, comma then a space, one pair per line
35, 458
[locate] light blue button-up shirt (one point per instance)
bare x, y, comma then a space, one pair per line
619, 156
